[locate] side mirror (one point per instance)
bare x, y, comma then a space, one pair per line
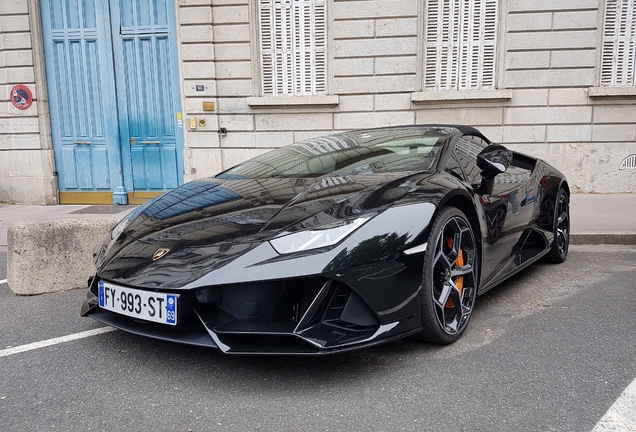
493, 160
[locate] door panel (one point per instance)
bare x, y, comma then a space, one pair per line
80, 80
148, 93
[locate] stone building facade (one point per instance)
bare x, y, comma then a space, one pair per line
546, 93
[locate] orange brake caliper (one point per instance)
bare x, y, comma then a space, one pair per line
459, 281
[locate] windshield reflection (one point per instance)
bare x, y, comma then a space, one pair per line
352, 153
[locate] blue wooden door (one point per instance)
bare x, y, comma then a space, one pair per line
113, 86
148, 95
80, 78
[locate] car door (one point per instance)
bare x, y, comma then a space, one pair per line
505, 206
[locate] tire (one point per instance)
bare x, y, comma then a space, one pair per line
561, 226
449, 278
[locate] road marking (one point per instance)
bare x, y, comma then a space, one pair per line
620, 417
3, 281
54, 341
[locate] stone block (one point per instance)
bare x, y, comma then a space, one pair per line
614, 114
395, 65
370, 120
375, 9
527, 60
565, 97
549, 78
195, 15
17, 58
206, 161
45, 256
19, 125
197, 52
356, 103
392, 102
233, 51
19, 75
396, 27
549, 115
15, 41
234, 70
234, 87
195, 2
14, 23
550, 40
375, 47
353, 29
564, 20
375, 84
196, 33
230, 14
529, 22
573, 59
293, 122
467, 116
11, 7
523, 134
353, 67
206, 139
569, 133
614, 133
198, 69
232, 105
237, 122
194, 105
19, 142
551, 5
529, 98
231, 33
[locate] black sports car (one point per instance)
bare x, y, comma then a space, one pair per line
333, 243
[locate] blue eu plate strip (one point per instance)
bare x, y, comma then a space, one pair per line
171, 309
100, 287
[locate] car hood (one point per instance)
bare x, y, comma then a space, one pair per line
209, 223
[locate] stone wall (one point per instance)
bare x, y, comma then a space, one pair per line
548, 103
26, 155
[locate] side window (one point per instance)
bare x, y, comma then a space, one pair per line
467, 149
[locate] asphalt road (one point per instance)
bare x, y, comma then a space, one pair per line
551, 349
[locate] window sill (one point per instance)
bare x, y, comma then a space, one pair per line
453, 96
612, 92
299, 101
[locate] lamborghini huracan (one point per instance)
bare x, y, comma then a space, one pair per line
333, 243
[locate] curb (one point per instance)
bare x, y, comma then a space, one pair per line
601, 239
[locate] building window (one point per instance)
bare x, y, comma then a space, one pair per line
461, 43
619, 43
292, 45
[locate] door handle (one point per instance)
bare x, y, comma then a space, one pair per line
133, 141
151, 142
83, 142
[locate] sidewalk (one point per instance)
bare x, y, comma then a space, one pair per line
595, 218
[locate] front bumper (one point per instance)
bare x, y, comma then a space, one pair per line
314, 315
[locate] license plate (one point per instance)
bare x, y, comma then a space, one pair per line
145, 305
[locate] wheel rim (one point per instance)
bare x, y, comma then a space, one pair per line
454, 275
563, 225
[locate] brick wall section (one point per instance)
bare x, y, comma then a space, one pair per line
26, 160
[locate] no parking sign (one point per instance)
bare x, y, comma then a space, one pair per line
21, 97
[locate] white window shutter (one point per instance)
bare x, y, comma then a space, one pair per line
460, 44
293, 42
619, 43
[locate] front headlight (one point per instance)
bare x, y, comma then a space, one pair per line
314, 239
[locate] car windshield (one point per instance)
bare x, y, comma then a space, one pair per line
351, 153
